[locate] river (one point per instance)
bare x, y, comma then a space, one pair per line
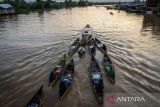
30, 45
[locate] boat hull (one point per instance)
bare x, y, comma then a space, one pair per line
87, 33
65, 93
66, 81
93, 71
36, 100
99, 97
109, 68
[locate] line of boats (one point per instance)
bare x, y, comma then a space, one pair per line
64, 68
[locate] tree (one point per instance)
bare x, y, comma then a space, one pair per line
48, 4
82, 2
70, 3
39, 4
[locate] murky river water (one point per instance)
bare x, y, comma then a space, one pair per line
30, 44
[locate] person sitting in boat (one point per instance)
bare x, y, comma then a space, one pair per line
73, 48
87, 26
97, 81
65, 81
96, 77
62, 86
58, 70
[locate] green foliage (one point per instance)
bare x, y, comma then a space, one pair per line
39, 4
48, 4
70, 3
22, 6
58, 5
83, 43
82, 2
60, 61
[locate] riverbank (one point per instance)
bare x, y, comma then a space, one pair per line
26, 7
135, 7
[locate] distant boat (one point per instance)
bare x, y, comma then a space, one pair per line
111, 13
53, 14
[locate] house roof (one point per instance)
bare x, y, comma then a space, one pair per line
6, 6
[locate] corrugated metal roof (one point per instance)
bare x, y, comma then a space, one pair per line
5, 6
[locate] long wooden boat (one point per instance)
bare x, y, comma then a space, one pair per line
98, 91
96, 79
36, 100
87, 33
107, 63
66, 81
109, 68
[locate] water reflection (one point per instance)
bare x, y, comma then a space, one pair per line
4, 20
151, 24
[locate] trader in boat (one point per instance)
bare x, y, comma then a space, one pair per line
97, 82
65, 82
